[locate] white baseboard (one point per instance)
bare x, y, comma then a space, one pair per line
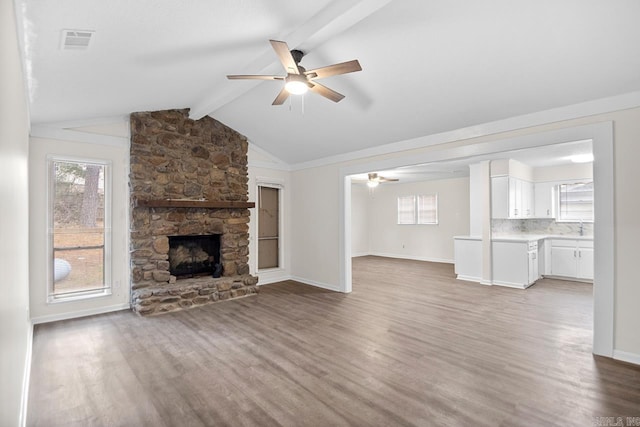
328, 286
359, 254
26, 378
469, 278
509, 284
625, 356
272, 279
411, 257
82, 313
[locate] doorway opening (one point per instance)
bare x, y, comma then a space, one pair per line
601, 135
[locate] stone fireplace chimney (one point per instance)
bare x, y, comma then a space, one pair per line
188, 178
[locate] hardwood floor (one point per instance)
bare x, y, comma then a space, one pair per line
410, 346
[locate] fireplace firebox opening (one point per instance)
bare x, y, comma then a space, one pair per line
193, 256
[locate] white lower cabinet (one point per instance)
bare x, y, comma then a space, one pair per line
468, 258
572, 258
515, 264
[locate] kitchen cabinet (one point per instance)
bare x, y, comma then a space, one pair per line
511, 198
468, 258
572, 258
515, 263
533, 266
544, 194
526, 202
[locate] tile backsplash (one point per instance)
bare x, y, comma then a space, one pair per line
538, 226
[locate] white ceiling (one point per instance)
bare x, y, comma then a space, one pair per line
428, 66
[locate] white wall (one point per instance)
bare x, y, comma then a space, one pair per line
563, 172
118, 154
15, 327
317, 211
360, 214
267, 172
421, 242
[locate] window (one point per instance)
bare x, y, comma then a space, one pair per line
428, 209
407, 210
575, 201
268, 227
422, 209
79, 229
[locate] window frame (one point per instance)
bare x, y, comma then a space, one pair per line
418, 198
107, 288
413, 212
261, 182
415, 203
557, 201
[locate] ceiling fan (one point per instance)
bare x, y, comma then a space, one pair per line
374, 180
298, 80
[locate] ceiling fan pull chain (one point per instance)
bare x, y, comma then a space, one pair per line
302, 97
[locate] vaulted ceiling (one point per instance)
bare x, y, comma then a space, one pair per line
429, 66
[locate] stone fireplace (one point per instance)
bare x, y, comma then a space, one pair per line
189, 212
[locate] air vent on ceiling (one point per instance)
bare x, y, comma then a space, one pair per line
76, 39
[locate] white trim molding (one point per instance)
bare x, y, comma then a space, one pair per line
81, 313
316, 284
625, 356
267, 277
26, 378
411, 257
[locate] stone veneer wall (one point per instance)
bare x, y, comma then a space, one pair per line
174, 157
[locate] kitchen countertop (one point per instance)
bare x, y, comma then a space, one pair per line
526, 237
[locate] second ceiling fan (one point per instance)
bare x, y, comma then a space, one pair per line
298, 80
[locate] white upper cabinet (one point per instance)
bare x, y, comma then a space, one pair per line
544, 193
511, 198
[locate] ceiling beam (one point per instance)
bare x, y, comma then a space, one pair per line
337, 17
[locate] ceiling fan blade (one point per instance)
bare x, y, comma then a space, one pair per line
383, 179
282, 96
284, 54
326, 92
334, 70
253, 77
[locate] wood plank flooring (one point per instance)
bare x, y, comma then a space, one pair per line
410, 346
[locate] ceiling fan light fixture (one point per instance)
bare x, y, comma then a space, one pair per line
372, 184
296, 84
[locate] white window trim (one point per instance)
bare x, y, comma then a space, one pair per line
108, 286
556, 201
271, 183
416, 210
413, 202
